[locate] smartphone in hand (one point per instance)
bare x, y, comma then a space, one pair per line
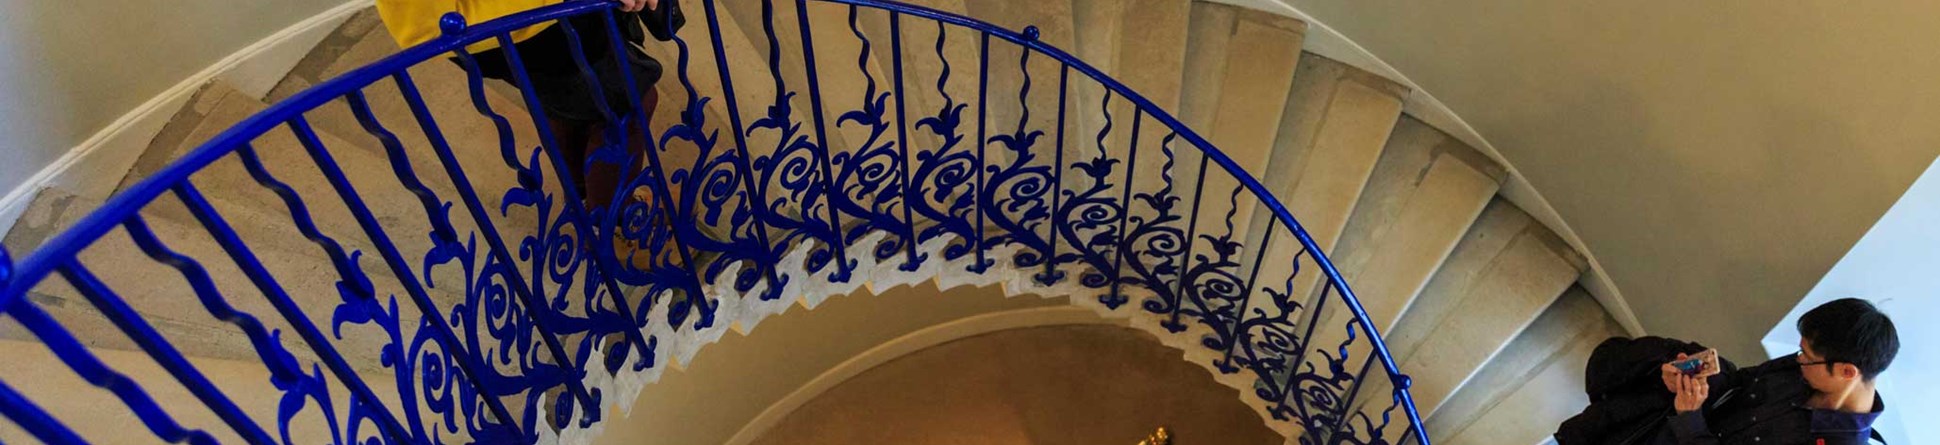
1702, 364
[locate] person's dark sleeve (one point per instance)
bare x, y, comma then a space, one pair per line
1691, 429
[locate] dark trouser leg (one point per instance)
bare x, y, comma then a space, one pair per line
575, 140
605, 179
578, 139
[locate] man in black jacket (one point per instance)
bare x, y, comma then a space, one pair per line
1822, 395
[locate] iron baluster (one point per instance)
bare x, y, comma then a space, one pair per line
845, 267
1179, 294
1117, 297
764, 259
944, 168
71, 352
902, 143
547, 333
252, 267
1026, 193
791, 166
548, 139
983, 116
281, 365
353, 285
1051, 275
467, 362
1238, 336
33, 419
151, 341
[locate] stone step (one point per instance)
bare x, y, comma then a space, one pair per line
445, 89
342, 43
164, 298
1239, 70
1038, 109
1422, 196
759, 84
1141, 43
399, 212
41, 377
1333, 132
1506, 270
925, 93
1534, 384
1238, 79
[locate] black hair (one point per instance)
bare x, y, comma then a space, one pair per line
1851, 330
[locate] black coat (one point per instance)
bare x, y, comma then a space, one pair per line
1765, 405
1628, 402
1761, 405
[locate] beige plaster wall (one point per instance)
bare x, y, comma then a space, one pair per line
1716, 157
69, 68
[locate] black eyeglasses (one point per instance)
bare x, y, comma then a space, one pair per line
1801, 355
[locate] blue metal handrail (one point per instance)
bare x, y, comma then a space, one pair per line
1301, 381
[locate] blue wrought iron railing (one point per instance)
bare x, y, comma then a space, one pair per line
522, 310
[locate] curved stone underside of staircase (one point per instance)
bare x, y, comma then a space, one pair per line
1475, 299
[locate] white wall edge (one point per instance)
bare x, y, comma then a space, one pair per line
909, 344
95, 167
1325, 41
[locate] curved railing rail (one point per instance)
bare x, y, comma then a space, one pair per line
522, 312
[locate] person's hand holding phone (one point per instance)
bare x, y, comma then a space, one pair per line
1691, 392
1670, 373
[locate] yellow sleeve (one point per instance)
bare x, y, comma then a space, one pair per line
413, 21
416, 21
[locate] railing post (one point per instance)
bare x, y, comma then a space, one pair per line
1116, 297
1051, 275
496, 246
252, 267
902, 142
77, 357
31, 418
754, 200
6, 269
1185, 253
467, 362
151, 341
983, 116
843, 266
1246, 299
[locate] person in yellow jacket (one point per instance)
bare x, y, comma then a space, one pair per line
546, 55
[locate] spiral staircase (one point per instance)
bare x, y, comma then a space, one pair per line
389, 252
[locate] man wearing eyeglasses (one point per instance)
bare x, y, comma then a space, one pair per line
1822, 395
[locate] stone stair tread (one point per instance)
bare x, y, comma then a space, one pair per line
1141, 43
402, 215
1557, 339
443, 86
163, 297
54, 388
1421, 198
1508, 270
